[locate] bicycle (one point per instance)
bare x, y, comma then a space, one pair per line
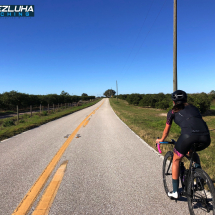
196, 184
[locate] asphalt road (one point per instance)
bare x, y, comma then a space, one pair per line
110, 170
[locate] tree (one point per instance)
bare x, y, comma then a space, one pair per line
201, 100
123, 96
64, 97
63, 93
84, 94
212, 95
148, 100
109, 93
11, 99
52, 98
134, 98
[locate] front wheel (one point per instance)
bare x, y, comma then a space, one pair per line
201, 194
167, 171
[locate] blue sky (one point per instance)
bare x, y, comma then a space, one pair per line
83, 46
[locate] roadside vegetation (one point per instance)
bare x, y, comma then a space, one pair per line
10, 126
10, 100
149, 123
163, 101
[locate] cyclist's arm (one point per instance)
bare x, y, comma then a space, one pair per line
165, 132
170, 117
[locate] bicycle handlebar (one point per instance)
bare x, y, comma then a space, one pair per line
158, 144
159, 149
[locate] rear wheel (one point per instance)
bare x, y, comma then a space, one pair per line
201, 194
167, 171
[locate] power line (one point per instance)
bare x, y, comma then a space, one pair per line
148, 33
138, 35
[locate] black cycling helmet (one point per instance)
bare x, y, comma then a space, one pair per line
179, 96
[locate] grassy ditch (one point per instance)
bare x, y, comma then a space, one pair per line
10, 127
149, 123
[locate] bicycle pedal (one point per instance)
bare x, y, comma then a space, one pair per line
181, 194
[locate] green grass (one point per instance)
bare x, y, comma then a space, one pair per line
149, 124
213, 105
26, 122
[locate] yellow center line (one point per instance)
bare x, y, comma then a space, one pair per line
86, 122
34, 191
48, 197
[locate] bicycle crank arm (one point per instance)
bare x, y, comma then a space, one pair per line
184, 194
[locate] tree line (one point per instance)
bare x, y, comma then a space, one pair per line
163, 101
109, 93
9, 100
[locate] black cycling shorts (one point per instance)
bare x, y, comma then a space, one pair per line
186, 141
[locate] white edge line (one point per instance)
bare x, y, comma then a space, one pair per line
145, 143
4, 140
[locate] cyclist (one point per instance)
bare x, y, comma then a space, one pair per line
193, 130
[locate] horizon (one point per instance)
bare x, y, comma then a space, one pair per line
98, 96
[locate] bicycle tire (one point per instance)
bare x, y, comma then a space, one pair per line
167, 176
201, 201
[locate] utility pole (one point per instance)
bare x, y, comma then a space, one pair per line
117, 91
175, 47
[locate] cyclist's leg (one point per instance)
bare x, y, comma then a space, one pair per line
175, 174
175, 170
181, 148
184, 144
177, 156
175, 164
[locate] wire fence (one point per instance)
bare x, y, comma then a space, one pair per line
39, 109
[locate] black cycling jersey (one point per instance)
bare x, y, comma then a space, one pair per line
189, 119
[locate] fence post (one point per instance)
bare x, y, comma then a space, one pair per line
48, 108
31, 109
40, 108
17, 113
